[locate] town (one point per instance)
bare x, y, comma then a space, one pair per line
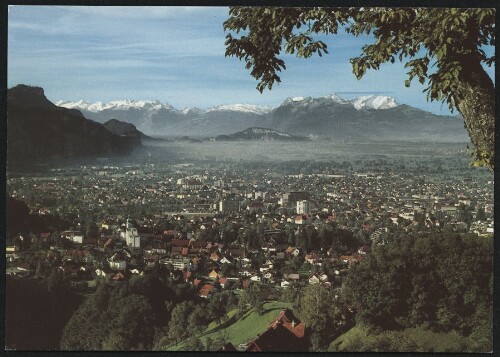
220, 227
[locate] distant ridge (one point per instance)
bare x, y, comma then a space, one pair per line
38, 129
364, 118
260, 134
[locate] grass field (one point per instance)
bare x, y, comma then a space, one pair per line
243, 330
358, 339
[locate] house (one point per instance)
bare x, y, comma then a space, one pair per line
223, 282
179, 264
228, 347
244, 273
351, 259
69, 268
318, 278
284, 283
180, 243
25, 267
103, 273
293, 277
197, 246
117, 261
75, 236
255, 277
118, 276
314, 279
364, 250
236, 252
268, 275
206, 290
285, 334
292, 251
213, 275
176, 250
215, 256
137, 271
315, 259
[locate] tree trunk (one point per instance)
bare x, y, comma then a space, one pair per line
477, 106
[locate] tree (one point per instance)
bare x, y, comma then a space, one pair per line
451, 41
322, 313
480, 215
441, 281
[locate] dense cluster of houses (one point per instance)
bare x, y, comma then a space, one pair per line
206, 199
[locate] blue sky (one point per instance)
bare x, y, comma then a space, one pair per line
175, 55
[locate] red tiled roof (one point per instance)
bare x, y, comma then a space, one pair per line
206, 289
180, 243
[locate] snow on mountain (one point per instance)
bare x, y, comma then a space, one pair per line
246, 108
337, 99
363, 102
81, 104
191, 110
125, 104
373, 102
301, 100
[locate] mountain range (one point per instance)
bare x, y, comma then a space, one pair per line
365, 118
37, 129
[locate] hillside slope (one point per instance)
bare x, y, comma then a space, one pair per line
38, 130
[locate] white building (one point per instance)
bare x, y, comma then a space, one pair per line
303, 207
132, 236
75, 236
116, 262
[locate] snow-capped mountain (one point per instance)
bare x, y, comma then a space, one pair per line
244, 108
373, 102
362, 102
373, 117
126, 104
192, 111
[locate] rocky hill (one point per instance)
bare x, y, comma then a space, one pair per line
262, 134
38, 129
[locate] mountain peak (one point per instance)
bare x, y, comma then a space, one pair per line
28, 96
247, 108
337, 99
362, 102
301, 100
374, 101
122, 104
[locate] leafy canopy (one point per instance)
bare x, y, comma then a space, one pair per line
442, 48
417, 36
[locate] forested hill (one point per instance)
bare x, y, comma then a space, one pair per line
38, 129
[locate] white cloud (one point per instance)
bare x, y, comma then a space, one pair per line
140, 12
